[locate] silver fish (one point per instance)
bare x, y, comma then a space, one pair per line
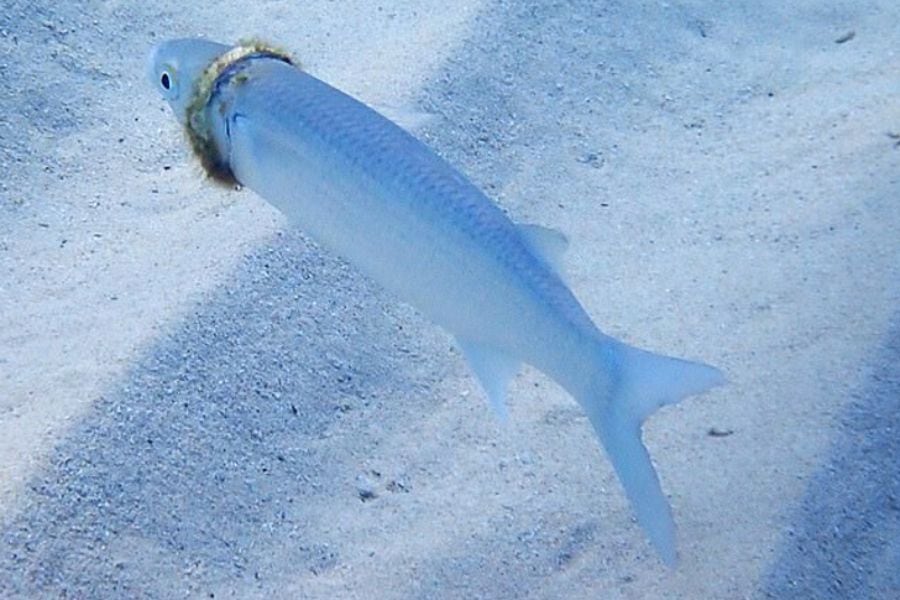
369, 191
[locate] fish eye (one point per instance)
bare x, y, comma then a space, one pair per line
167, 80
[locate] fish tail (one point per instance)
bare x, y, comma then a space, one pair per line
634, 383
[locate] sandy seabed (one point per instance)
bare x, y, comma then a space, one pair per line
195, 400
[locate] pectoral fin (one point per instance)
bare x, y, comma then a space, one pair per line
408, 118
494, 370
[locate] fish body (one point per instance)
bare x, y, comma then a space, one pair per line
366, 189
380, 198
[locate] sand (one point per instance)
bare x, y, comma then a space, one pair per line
195, 400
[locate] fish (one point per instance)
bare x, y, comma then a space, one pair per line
368, 190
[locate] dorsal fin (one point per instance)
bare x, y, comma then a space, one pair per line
549, 244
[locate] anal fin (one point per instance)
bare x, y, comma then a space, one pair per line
494, 370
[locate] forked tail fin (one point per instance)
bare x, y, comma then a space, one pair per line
640, 382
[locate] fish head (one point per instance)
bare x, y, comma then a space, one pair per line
176, 66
